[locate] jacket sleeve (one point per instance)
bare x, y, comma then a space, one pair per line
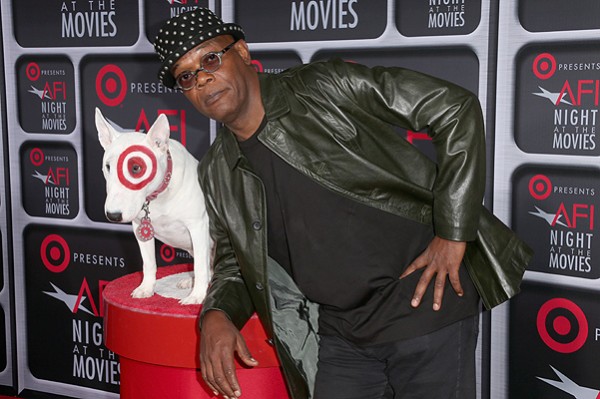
452, 117
227, 290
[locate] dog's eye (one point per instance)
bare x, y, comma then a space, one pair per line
107, 167
136, 169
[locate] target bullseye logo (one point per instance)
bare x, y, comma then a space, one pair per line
32, 70
55, 253
544, 66
136, 167
562, 325
36, 156
111, 85
540, 187
258, 65
167, 253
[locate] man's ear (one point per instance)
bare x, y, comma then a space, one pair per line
242, 48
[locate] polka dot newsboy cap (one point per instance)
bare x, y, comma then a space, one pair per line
184, 32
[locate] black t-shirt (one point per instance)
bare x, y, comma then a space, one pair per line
348, 256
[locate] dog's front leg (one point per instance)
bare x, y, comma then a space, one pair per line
202, 244
146, 288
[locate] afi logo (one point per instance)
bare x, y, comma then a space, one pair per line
577, 211
569, 386
143, 124
567, 217
55, 254
53, 90
55, 176
77, 302
58, 176
574, 94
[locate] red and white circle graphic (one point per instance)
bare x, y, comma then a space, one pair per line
562, 325
32, 70
167, 253
540, 187
544, 66
36, 156
111, 85
257, 65
136, 167
55, 253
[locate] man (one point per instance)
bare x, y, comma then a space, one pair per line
314, 199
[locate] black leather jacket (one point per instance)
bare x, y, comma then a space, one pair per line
333, 122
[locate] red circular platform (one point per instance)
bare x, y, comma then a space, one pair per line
157, 340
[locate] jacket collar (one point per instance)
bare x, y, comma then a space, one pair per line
271, 91
275, 104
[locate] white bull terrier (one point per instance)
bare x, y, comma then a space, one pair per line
152, 182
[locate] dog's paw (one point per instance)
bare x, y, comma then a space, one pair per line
142, 292
192, 300
185, 283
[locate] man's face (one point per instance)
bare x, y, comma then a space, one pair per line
223, 94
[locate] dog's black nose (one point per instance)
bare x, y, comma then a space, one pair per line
114, 216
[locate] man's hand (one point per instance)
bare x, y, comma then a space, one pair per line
219, 340
442, 259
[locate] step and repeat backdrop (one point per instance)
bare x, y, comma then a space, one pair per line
534, 65
6, 341
546, 342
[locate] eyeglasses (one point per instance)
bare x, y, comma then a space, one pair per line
209, 63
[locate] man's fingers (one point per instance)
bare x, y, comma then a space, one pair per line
455, 283
219, 343
416, 264
245, 355
413, 267
441, 258
232, 382
224, 375
421, 288
207, 375
409, 270
225, 379
438, 290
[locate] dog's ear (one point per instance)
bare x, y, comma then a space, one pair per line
106, 133
158, 135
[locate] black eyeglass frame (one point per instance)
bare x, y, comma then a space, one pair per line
194, 74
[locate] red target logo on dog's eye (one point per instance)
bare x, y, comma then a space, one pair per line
136, 167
